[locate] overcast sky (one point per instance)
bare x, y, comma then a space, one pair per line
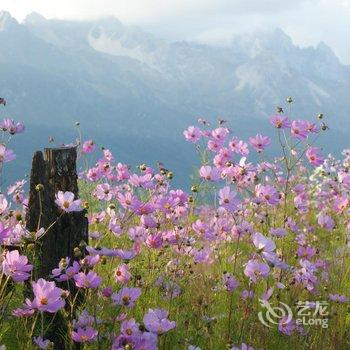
306, 21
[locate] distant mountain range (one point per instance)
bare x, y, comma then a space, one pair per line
136, 93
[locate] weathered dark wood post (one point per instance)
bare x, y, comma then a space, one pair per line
55, 170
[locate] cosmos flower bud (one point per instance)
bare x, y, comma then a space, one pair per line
39, 187
77, 252
289, 99
111, 206
86, 205
194, 188
77, 123
320, 116
170, 175
82, 244
143, 167
30, 247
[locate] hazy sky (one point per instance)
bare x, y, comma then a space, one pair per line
214, 21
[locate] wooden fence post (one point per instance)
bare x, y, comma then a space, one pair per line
55, 170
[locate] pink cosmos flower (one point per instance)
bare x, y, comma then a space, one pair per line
130, 328
192, 134
338, 298
89, 280
311, 127
280, 122
230, 282
314, 156
144, 181
65, 200
227, 199
4, 205
6, 155
42, 343
341, 203
47, 297
214, 145
103, 192
11, 126
278, 232
84, 335
88, 146
16, 266
299, 129
220, 134
126, 296
156, 321
255, 270
94, 174
239, 146
208, 173
263, 244
259, 142
122, 274
326, 221
107, 292
154, 240
61, 274
286, 325
4, 233
267, 194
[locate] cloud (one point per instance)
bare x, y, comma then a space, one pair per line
214, 21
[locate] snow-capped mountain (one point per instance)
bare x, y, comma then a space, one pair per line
136, 93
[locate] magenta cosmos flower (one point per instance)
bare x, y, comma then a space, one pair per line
88, 146
89, 280
263, 244
42, 343
259, 142
126, 296
192, 134
11, 126
4, 233
47, 297
299, 129
156, 321
16, 266
280, 122
84, 335
65, 200
255, 270
122, 274
104, 192
314, 156
286, 325
267, 194
6, 155
230, 282
208, 173
326, 221
227, 198
4, 205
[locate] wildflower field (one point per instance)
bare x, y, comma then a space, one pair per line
255, 255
